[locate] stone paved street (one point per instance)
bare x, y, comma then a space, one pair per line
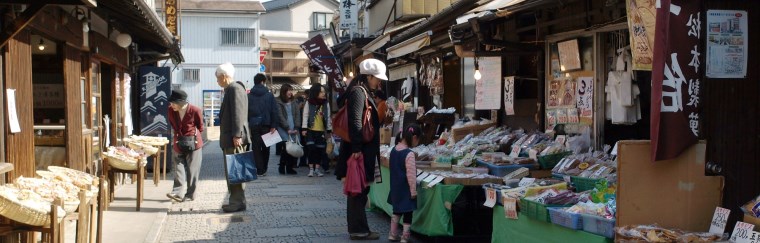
281, 208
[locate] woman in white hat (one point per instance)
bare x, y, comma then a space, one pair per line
371, 73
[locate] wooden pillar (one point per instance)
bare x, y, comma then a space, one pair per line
19, 146
72, 71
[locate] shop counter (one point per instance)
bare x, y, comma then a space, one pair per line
525, 229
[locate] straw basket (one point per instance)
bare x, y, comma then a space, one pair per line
75, 175
18, 212
52, 176
147, 149
122, 163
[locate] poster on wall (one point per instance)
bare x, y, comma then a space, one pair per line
488, 88
676, 78
509, 95
727, 44
155, 82
641, 19
49, 96
569, 56
561, 93
585, 98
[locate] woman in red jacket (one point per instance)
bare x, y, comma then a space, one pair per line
187, 124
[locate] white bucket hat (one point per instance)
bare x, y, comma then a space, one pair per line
373, 67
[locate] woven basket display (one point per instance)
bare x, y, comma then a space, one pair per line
147, 149
123, 163
18, 212
153, 141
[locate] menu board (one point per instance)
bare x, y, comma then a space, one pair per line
488, 88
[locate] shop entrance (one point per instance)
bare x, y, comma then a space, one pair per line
49, 103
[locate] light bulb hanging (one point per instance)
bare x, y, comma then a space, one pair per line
477, 74
41, 46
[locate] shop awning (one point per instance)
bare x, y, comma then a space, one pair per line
501, 7
442, 18
143, 24
383, 39
410, 45
402, 72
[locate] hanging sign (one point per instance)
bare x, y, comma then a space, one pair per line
321, 56
676, 76
727, 44
490, 198
585, 98
488, 88
349, 16
155, 103
641, 20
569, 56
509, 95
170, 17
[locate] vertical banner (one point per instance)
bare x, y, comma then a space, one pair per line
155, 82
727, 44
585, 99
641, 21
488, 88
170, 15
509, 95
676, 73
321, 56
349, 16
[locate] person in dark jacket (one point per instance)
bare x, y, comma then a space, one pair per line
233, 129
263, 118
290, 118
185, 119
317, 127
372, 72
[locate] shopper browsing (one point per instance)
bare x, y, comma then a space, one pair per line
187, 124
403, 194
317, 127
289, 116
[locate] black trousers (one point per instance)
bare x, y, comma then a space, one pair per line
260, 151
356, 215
286, 160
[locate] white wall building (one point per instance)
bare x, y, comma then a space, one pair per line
213, 32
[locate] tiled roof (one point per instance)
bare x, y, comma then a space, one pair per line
219, 5
279, 4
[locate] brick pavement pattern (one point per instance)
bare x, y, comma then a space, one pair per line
280, 208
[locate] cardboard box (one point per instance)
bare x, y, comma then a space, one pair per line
752, 220
672, 194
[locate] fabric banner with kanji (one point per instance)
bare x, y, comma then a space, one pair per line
676, 74
321, 56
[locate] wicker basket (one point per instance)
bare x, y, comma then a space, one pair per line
52, 176
86, 185
147, 149
15, 211
121, 163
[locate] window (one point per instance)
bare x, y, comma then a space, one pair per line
278, 54
321, 21
191, 75
238, 37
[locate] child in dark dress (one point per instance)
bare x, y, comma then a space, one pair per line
403, 195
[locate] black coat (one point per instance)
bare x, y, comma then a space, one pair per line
354, 100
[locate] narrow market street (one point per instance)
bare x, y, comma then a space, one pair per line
280, 208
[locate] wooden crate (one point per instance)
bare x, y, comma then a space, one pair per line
459, 133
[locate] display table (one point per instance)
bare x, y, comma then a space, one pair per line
526, 229
433, 216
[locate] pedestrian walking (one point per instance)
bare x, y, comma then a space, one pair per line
403, 175
372, 72
187, 124
234, 134
289, 117
317, 127
263, 118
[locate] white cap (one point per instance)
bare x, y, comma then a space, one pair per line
373, 67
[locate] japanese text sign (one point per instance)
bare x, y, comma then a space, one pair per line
321, 56
170, 17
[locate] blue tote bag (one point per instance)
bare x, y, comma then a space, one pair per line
241, 167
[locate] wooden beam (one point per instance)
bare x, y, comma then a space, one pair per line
88, 3
20, 22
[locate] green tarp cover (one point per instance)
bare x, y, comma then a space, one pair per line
433, 214
526, 230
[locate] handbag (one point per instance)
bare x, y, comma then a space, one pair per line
241, 167
340, 122
355, 177
293, 147
187, 144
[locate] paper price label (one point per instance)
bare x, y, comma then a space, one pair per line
718, 224
490, 198
754, 237
526, 181
598, 172
515, 151
510, 207
533, 154
742, 232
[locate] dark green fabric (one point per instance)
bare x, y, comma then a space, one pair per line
528, 230
433, 214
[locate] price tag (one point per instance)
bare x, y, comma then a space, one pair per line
754, 237
490, 198
598, 172
718, 224
515, 151
526, 181
742, 232
533, 154
510, 206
